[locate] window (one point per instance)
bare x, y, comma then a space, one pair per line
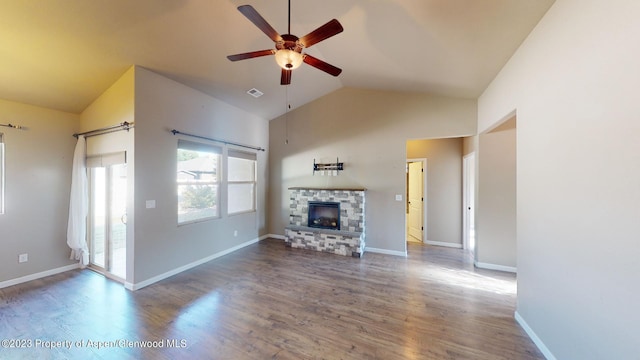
198, 181
241, 182
1, 174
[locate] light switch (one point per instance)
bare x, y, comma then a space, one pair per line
151, 204
398, 197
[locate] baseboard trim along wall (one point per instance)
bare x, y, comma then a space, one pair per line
532, 335
488, 266
445, 244
279, 237
384, 251
155, 279
39, 275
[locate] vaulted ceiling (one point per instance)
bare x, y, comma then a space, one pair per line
62, 54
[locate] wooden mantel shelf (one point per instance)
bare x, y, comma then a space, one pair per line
328, 189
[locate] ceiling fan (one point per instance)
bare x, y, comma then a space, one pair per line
288, 50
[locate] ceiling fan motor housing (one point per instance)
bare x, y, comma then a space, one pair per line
289, 42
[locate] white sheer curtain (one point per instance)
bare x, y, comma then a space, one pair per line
78, 205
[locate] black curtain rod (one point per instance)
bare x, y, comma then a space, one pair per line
13, 126
176, 132
106, 130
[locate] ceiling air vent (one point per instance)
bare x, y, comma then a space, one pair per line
255, 93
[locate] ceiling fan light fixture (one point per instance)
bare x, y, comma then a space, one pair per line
289, 59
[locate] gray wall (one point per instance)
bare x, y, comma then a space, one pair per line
574, 85
161, 105
496, 200
38, 180
444, 187
368, 131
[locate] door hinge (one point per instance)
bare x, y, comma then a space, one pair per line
422, 199
422, 228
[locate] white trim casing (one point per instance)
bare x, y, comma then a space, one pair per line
39, 275
534, 337
155, 279
445, 244
488, 266
385, 251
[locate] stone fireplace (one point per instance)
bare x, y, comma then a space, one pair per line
327, 220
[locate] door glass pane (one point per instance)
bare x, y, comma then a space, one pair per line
117, 218
98, 220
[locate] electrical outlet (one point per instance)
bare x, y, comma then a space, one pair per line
235, 232
23, 258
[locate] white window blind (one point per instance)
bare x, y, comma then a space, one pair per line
106, 160
241, 182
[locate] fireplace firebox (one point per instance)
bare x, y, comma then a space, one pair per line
324, 215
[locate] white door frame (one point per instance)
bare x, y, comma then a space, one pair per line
468, 199
424, 197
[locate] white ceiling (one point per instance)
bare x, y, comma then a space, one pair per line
62, 54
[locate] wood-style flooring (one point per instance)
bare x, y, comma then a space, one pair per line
267, 301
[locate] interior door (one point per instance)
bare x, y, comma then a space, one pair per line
415, 200
107, 219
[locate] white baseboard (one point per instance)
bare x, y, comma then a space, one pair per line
279, 237
532, 335
385, 251
445, 244
155, 279
39, 275
488, 266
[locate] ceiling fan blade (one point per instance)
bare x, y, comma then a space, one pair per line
321, 65
250, 13
285, 78
325, 31
250, 55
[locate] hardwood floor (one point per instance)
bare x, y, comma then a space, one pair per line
270, 302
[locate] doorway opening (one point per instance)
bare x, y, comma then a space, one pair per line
108, 218
415, 196
468, 200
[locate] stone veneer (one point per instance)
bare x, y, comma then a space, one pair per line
348, 241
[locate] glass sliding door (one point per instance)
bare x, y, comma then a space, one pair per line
108, 216
98, 216
118, 221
